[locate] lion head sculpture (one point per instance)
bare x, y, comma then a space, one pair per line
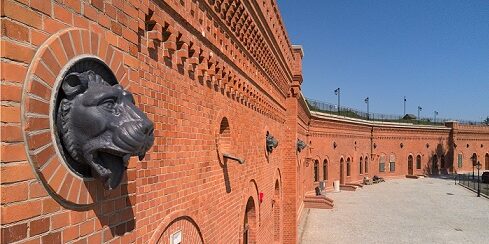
100, 127
271, 142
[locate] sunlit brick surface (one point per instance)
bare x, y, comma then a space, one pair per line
189, 64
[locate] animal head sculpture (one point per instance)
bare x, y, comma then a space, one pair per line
300, 145
100, 127
271, 142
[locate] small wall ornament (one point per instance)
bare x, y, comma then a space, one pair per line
300, 145
271, 142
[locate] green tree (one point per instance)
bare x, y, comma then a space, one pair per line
486, 121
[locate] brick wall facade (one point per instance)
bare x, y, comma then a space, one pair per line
214, 77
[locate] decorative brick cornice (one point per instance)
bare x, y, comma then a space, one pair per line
230, 69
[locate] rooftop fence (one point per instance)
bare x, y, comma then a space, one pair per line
329, 108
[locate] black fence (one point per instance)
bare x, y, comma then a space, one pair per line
324, 107
471, 181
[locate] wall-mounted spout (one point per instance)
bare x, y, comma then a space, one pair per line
228, 156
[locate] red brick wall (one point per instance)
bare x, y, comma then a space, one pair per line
355, 139
189, 63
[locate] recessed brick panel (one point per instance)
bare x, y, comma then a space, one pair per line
49, 59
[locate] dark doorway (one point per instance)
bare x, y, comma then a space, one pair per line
487, 161
434, 165
342, 178
366, 165
325, 170
249, 228
316, 170
361, 165
410, 165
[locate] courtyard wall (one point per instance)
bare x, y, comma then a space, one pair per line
214, 77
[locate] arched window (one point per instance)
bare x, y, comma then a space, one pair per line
418, 162
442, 161
382, 163
316, 171
348, 167
392, 163
460, 160
366, 165
325, 169
361, 165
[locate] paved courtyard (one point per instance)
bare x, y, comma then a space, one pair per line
425, 210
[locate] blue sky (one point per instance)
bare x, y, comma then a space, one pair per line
436, 53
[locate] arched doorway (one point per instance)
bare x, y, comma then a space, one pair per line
249, 227
410, 165
325, 170
316, 170
366, 165
361, 165
342, 177
487, 162
434, 165
276, 213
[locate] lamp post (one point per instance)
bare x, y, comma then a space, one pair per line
474, 158
435, 113
337, 92
368, 112
405, 106
419, 110
478, 179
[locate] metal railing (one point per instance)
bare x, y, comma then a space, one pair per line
329, 108
470, 181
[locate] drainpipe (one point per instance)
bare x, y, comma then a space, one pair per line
371, 143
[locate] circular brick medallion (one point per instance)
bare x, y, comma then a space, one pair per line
49, 65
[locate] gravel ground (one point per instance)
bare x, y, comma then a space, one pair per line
426, 210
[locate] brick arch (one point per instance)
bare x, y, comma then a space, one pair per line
171, 219
51, 61
277, 206
250, 192
278, 177
317, 157
326, 161
216, 128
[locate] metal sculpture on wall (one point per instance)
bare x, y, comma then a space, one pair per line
300, 145
271, 142
98, 125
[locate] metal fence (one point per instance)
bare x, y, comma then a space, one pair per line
324, 107
471, 181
